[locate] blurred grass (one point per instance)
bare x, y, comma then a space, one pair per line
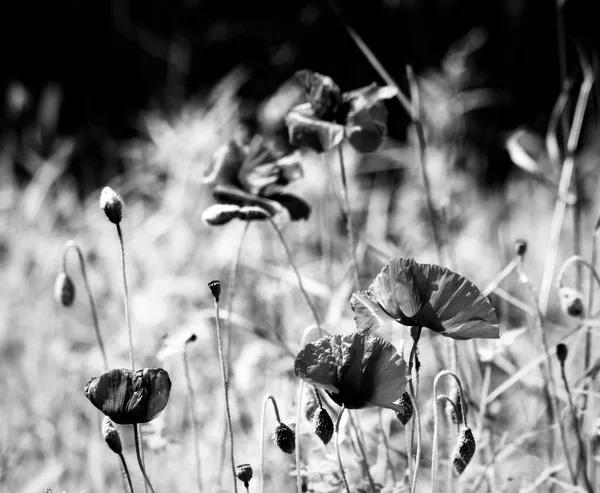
49, 433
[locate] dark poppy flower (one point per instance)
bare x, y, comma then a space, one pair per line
255, 176
129, 397
356, 370
425, 295
331, 116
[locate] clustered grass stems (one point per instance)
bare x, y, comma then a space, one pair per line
192, 404
215, 288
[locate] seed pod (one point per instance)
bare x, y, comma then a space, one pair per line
111, 435
244, 473
64, 289
562, 352
570, 301
215, 289
463, 450
520, 247
220, 214
112, 204
407, 409
285, 438
323, 425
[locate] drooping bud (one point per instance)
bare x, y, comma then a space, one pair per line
64, 289
112, 204
244, 473
570, 301
215, 289
463, 450
562, 352
111, 435
323, 425
285, 438
253, 213
311, 405
520, 247
407, 409
456, 410
220, 214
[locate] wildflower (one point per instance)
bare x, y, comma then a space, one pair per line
244, 473
64, 290
356, 370
111, 435
285, 438
112, 204
331, 116
323, 425
407, 410
254, 175
464, 450
129, 397
570, 301
425, 295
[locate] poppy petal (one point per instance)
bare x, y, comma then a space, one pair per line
225, 165
368, 314
297, 207
317, 363
227, 194
110, 393
305, 130
270, 177
157, 381
322, 92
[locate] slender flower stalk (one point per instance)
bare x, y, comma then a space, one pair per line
297, 441
138, 451
71, 244
363, 453
266, 400
192, 403
126, 296
126, 472
112, 438
215, 287
413, 386
588, 333
388, 460
337, 448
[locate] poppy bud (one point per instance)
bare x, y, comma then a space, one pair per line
244, 473
464, 450
285, 438
407, 409
220, 214
251, 213
456, 409
323, 425
191, 338
562, 352
111, 435
215, 289
64, 289
570, 301
112, 205
520, 247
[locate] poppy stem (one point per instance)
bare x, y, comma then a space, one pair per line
384, 438
413, 386
363, 453
126, 472
225, 389
138, 451
417, 422
297, 437
337, 447
192, 403
300, 284
71, 244
349, 225
126, 296
266, 399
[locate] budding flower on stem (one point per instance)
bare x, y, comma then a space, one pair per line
464, 450
407, 409
244, 473
64, 289
562, 352
112, 204
215, 289
111, 435
323, 425
285, 438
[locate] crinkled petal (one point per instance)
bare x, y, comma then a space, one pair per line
368, 314
323, 94
159, 384
110, 393
225, 165
317, 364
305, 130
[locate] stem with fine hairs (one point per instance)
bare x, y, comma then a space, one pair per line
192, 403
126, 472
337, 447
138, 451
363, 453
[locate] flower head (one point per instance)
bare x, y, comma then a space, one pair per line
284, 437
129, 397
356, 370
112, 204
64, 289
331, 116
425, 295
254, 176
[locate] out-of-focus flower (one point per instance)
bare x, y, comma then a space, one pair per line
425, 295
129, 397
331, 116
112, 204
254, 175
356, 370
570, 301
175, 344
64, 289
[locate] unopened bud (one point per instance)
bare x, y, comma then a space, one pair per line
570, 301
244, 473
407, 409
215, 289
520, 247
323, 425
64, 289
220, 214
456, 410
562, 352
253, 213
191, 338
285, 438
464, 449
111, 435
112, 204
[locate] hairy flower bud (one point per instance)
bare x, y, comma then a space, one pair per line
407, 409
112, 204
323, 425
285, 438
244, 473
64, 289
464, 449
111, 435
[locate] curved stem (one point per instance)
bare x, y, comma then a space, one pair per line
138, 451
363, 453
126, 472
126, 295
266, 399
192, 403
337, 448
77, 248
300, 285
576, 259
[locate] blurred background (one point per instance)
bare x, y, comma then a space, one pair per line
139, 95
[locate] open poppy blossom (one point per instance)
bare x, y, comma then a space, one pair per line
255, 176
356, 370
129, 397
331, 116
425, 295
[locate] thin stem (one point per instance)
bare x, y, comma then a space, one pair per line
77, 248
363, 453
225, 392
576, 259
192, 403
349, 225
266, 399
388, 459
138, 451
297, 441
485, 388
337, 448
417, 418
126, 472
588, 333
300, 284
413, 387
126, 295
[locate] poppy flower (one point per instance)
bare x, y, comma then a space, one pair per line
255, 175
129, 397
425, 295
356, 370
331, 116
